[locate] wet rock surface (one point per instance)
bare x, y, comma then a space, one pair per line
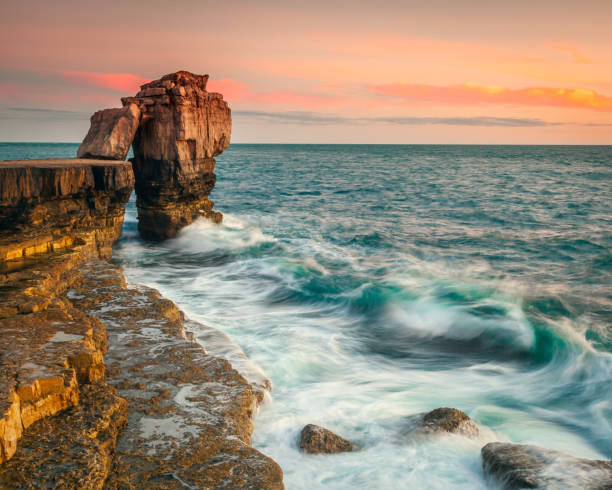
443, 420
319, 440
516, 466
111, 133
190, 412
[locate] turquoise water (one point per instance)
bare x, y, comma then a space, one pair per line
370, 283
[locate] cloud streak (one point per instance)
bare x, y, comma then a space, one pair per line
41, 113
313, 118
471, 94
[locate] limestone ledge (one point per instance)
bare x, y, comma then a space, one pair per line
64, 421
54, 215
189, 420
51, 205
189, 411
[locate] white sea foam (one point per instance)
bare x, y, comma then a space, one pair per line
316, 360
204, 236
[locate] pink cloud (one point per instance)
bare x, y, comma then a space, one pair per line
470, 94
119, 82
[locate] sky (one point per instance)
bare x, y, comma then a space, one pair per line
386, 71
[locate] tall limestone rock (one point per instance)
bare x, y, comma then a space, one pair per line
182, 128
176, 128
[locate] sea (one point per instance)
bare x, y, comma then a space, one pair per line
374, 282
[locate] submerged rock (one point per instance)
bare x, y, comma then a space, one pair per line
318, 440
111, 133
523, 466
444, 420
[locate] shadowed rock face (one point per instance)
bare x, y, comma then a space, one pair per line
521, 466
315, 440
48, 205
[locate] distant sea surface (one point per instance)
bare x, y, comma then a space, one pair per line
374, 282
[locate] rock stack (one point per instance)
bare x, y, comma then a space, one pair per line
176, 128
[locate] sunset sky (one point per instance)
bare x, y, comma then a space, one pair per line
436, 71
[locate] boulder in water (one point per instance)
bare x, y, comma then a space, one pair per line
319, 440
523, 466
445, 420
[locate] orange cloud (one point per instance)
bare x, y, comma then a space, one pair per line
470, 94
120, 82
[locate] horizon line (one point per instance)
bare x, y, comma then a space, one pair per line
338, 144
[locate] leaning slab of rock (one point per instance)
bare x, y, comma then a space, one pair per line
522, 466
443, 420
318, 440
111, 133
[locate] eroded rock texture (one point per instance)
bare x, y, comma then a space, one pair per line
77, 344
54, 215
177, 128
50, 205
522, 466
190, 412
74, 449
111, 133
182, 128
